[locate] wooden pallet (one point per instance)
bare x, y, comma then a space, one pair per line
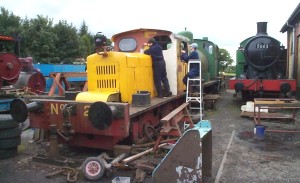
12, 91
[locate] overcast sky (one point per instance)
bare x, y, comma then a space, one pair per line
225, 22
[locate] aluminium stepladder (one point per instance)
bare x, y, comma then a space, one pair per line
194, 93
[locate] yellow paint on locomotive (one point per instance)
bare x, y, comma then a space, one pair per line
117, 73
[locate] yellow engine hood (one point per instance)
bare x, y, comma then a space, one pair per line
96, 96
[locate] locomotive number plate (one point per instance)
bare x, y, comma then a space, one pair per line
262, 46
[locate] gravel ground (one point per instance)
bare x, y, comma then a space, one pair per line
237, 155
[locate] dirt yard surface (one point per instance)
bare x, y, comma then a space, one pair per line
238, 156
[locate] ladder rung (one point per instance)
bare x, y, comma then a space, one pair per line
194, 79
196, 101
192, 115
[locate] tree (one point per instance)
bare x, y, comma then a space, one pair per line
46, 42
86, 40
83, 30
225, 60
68, 42
86, 46
9, 23
38, 39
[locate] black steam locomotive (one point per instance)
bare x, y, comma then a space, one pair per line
261, 67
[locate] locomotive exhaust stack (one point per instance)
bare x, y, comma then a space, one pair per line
261, 28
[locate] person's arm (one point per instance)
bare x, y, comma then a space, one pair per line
184, 56
148, 51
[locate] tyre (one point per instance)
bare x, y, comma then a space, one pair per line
10, 132
7, 122
93, 168
10, 142
8, 153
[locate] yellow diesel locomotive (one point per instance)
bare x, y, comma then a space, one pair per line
120, 104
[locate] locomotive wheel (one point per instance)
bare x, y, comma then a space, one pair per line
285, 87
239, 87
93, 168
150, 132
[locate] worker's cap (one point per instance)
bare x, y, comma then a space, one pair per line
151, 40
194, 45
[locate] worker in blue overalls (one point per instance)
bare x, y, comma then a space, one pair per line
159, 68
194, 68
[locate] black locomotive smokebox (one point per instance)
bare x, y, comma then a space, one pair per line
141, 99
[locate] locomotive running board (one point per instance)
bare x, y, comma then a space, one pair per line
190, 159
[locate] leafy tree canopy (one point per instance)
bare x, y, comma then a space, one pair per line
225, 61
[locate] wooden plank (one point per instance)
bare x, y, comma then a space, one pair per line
264, 115
269, 102
258, 101
173, 113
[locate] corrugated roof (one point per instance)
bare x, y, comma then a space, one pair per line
295, 16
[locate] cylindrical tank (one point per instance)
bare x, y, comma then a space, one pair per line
204, 63
34, 82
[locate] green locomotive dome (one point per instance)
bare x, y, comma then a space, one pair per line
187, 34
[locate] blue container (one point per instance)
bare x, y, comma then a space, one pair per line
259, 131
